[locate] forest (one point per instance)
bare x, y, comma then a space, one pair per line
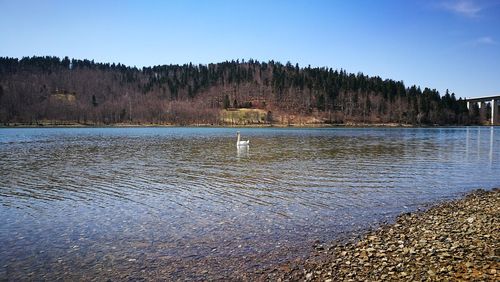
35, 90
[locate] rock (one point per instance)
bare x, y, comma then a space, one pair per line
445, 255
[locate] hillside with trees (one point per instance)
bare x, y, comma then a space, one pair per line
38, 89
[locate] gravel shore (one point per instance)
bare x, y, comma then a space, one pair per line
457, 241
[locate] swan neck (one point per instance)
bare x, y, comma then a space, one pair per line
238, 141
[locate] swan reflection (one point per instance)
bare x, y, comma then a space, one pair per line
243, 151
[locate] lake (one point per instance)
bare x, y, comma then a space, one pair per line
185, 203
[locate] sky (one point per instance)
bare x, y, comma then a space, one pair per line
440, 44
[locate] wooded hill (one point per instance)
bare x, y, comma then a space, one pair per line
35, 89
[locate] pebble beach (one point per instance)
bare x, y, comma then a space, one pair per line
451, 241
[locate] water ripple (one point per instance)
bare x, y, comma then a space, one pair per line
187, 191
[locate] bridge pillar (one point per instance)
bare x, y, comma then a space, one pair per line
483, 103
494, 110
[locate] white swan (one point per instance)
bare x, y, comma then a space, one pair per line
241, 143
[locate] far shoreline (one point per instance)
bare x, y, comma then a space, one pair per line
274, 125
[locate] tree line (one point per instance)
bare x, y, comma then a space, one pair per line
34, 89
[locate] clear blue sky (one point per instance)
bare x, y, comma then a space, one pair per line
439, 44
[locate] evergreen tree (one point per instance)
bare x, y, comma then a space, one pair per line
321, 103
286, 88
227, 104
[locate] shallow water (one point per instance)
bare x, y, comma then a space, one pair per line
81, 203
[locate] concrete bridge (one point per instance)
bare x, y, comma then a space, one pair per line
494, 103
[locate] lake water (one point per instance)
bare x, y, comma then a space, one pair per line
177, 203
